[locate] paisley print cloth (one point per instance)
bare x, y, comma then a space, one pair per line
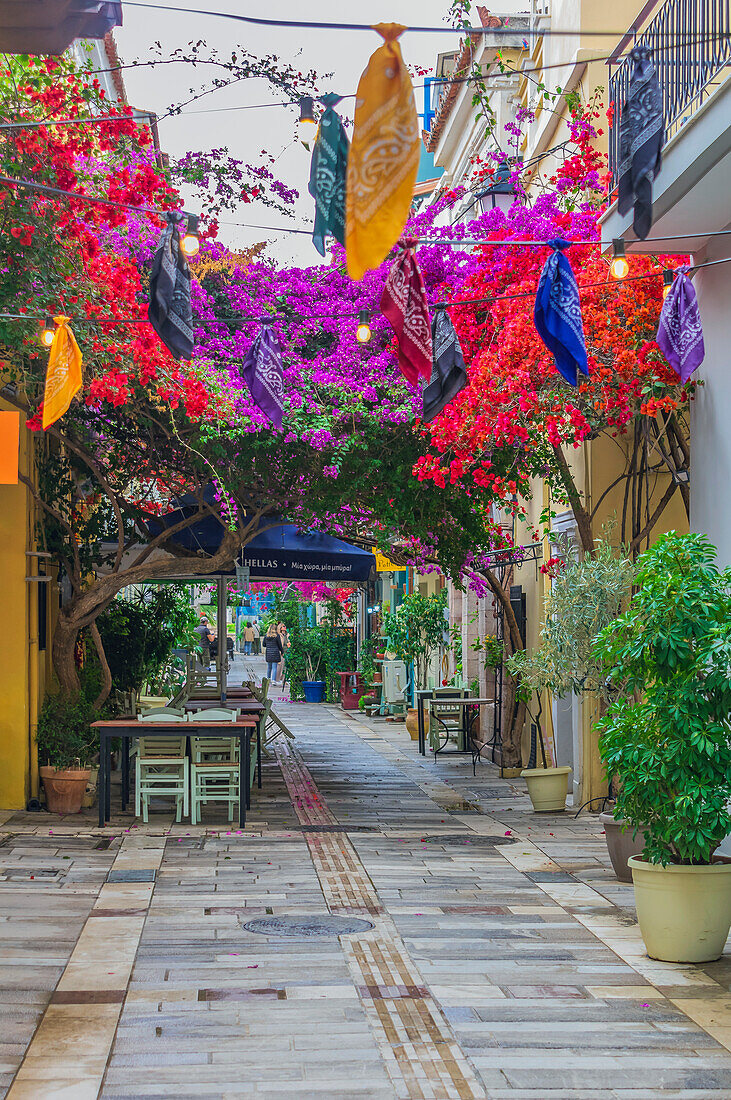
169, 310
641, 133
63, 376
449, 374
384, 157
680, 333
557, 314
404, 304
327, 176
262, 372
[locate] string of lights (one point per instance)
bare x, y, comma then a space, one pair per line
364, 317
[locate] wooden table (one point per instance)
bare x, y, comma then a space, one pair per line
128, 728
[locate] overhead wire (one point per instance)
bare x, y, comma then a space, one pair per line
305, 24
609, 284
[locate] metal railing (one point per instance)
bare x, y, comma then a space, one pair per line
690, 42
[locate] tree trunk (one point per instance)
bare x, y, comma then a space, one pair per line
63, 654
106, 671
513, 716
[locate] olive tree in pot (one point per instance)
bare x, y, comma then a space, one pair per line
667, 736
66, 749
586, 595
415, 631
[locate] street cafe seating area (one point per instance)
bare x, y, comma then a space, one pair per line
203, 747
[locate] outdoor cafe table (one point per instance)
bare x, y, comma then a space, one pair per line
425, 697
128, 728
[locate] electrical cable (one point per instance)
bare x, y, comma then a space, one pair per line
612, 284
524, 32
35, 123
44, 189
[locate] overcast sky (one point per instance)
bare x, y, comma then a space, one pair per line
246, 132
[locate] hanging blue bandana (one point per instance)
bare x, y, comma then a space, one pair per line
557, 314
262, 372
327, 175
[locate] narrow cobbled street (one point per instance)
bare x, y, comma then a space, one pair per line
386, 926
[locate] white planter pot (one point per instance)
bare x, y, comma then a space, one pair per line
684, 912
547, 788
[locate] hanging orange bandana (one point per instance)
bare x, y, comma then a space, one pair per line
384, 156
63, 377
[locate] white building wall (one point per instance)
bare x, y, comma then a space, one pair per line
710, 483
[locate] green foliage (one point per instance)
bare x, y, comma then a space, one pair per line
417, 629
65, 738
139, 635
586, 596
367, 658
666, 734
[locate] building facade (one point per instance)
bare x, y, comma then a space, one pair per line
563, 51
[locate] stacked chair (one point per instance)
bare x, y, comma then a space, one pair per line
210, 774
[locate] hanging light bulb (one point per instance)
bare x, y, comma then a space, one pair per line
363, 332
190, 243
48, 332
619, 268
667, 282
306, 123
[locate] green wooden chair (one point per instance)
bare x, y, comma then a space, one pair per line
214, 774
162, 770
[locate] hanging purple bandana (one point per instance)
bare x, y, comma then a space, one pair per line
557, 314
680, 333
449, 374
641, 133
262, 372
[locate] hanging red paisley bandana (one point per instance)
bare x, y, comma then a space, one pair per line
404, 304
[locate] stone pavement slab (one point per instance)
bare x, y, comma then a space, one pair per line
502, 961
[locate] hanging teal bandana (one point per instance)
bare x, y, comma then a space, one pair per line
327, 176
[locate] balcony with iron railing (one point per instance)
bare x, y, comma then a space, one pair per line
690, 42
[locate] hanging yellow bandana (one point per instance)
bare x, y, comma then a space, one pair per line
384, 156
63, 377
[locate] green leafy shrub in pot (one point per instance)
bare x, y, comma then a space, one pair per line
666, 734
65, 738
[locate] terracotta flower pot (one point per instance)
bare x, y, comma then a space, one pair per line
412, 723
65, 788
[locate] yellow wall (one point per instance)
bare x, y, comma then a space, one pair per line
22, 668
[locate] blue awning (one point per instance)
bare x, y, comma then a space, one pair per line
284, 552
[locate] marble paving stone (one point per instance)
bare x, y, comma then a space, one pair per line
504, 960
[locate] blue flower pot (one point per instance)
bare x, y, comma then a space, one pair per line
314, 690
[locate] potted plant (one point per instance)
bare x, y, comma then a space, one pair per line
415, 631
66, 748
586, 595
667, 736
313, 643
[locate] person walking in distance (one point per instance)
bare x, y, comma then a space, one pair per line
284, 639
248, 639
256, 644
204, 634
272, 652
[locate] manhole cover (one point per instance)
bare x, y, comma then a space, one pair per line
307, 926
474, 840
